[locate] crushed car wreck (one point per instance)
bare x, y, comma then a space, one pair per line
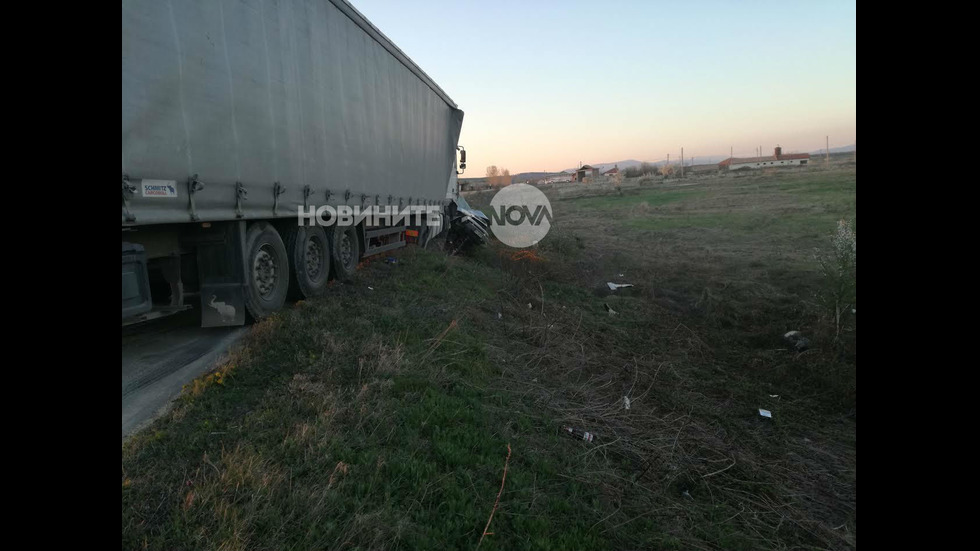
468, 228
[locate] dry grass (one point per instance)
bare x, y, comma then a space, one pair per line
388, 429
696, 349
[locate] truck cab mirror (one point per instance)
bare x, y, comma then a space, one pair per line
462, 158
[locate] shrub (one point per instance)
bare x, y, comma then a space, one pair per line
643, 169
838, 295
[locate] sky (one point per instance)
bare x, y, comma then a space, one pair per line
548, 84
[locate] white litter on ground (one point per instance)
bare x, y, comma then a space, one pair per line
614, 286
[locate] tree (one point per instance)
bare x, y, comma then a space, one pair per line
643, 169
647, 168
497, 177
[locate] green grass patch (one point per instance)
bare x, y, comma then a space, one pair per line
652, 198
365, 417
746, 222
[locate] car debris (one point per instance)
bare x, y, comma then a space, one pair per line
579, 434
765, 413
613, 286
799, 342
468, 227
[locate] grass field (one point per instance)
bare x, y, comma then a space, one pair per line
380, 415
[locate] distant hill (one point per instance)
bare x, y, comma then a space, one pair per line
606, 166
697, 159
629, 163
688, 161
842, 149
702, 160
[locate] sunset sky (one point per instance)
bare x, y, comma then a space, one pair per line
548, 84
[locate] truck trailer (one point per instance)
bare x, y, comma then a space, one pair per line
238, 115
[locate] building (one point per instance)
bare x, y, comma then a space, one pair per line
584, 172
778, 159
560, 178
473, 185
612, 171
700, 169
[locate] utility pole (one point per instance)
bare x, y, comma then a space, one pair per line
828, 149
682, 162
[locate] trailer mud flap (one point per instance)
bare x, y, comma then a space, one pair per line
221, 265
222, 305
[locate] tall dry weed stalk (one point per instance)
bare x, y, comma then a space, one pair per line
839, 269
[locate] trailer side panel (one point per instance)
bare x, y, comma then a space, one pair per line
301, 92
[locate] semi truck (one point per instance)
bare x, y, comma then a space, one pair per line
239, 114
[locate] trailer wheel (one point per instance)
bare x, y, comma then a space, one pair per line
345, 252
309, 260
267, 270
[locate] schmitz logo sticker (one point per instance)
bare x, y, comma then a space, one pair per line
159, 188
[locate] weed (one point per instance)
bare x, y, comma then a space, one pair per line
838, 294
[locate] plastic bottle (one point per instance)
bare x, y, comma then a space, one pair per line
579, 434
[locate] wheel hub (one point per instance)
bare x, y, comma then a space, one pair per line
345, 250
313, 259
264, 271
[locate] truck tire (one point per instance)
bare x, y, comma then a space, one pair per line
266, 271
345, 252
309, 260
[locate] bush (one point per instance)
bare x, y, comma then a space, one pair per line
838, 295
644, 169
